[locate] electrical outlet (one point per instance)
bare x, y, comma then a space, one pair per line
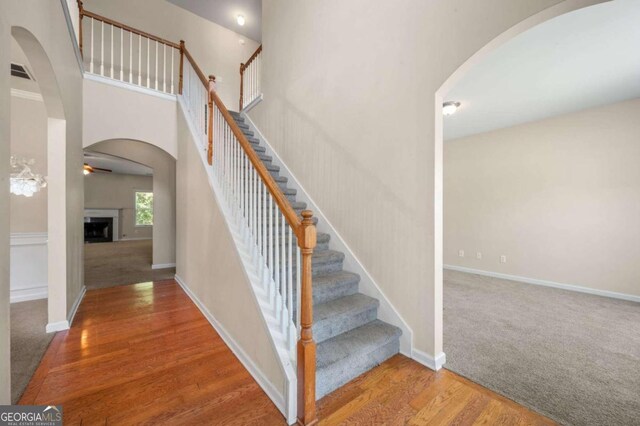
478, 255
503, 259
461, 253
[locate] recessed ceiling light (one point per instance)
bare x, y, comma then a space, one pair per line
449, 108
240, 20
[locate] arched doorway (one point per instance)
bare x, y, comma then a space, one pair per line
132, 183
568, 344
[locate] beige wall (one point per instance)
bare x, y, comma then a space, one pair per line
5, 135
559, 197
215, 48
164, 191
46, 22
29, 140
208, 263
116, 191
351, 97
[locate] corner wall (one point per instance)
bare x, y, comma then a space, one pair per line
208, 264
351, 106
559, 197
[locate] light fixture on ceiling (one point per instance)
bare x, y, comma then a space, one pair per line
24, 181
240, 20
450, 108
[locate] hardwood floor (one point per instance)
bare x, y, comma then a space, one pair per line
144, 354
402, 392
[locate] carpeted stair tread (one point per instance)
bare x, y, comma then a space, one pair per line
341, 315
334, 285
346, 356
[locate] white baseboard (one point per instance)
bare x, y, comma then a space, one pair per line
273, 393
26, 294
135, 239
434, 363
387, 312
76, 304
253, 103
163, 265
65, 325
52, 327
545, 283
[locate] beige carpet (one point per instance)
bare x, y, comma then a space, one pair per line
29, 342
121, 262
573, 357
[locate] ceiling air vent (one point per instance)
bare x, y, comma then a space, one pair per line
20, 71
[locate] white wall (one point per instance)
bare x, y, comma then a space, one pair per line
209, 264
117, 191
112, 112
351, 101
216, 49
164, 191
559, 197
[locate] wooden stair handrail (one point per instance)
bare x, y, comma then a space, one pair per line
196, 68
281, 200
126, 28
251, 58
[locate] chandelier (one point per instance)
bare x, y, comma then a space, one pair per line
23, 181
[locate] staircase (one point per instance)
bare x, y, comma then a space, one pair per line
350, 339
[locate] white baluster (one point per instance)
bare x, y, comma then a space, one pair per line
121, 54
102, 51
164, 67
270, 241
290, 288
130, 57
91, 59
283, 242
298, 290
173, 51
156, 64
139, 60
148, 70
112, 28
278, 281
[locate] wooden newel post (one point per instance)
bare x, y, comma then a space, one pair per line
241, 86
181, 66
306, 345
81, 12
212, 81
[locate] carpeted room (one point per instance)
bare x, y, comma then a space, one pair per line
541, 223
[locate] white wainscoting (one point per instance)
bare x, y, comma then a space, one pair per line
28, 255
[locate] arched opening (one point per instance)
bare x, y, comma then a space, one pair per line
531, 189
129, 216
38, 281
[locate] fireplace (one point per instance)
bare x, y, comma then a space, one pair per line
98, 229
101, 225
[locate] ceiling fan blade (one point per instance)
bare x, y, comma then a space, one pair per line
103, 170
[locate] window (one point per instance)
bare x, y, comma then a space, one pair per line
144, 208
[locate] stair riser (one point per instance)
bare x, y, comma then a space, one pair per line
331, 327
342, 372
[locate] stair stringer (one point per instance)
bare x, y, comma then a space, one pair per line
386, 311
253, 273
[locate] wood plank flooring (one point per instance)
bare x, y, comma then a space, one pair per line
144, 354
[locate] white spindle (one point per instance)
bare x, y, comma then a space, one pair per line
156, 64
164, 67
111, 52
121, 54
91, 58
148, 70
172, 72
102, 51
130, 57
139, 60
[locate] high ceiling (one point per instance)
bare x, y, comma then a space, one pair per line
225, 12
118, 165
584, 59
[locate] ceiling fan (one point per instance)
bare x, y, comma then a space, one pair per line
87, 169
